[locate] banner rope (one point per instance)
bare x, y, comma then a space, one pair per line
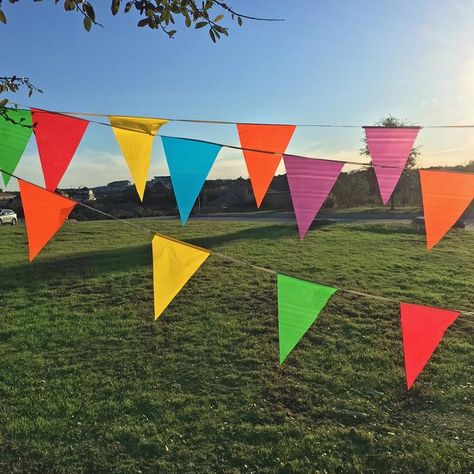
234, 147
228, 122
213, 252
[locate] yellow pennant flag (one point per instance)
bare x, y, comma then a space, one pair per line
174, 263
135, 137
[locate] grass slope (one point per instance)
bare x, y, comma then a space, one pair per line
90, 383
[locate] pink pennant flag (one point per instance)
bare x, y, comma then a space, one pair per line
310, 182
389, 149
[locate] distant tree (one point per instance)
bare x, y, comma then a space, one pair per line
155, 14
390, 121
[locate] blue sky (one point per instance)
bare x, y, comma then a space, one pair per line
330, 61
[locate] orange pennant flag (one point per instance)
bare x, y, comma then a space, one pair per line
45, 212
262, 166
446, 195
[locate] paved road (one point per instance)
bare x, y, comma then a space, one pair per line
289, 218
356, 218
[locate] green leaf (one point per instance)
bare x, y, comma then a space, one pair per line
200, 24
115, 6
239, 21
218, 18
176, 9
69, 5
3, 18
220, 29
212, 35
187, 20
87, 23
89, 11
3, 102
128, 6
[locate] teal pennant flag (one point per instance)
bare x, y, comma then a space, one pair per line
189, 162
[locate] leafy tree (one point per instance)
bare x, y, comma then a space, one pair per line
390, 121
13, 84
161, 14
155, 14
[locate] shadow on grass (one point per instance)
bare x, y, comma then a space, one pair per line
383, 229
94, 263
269, 232
76, 265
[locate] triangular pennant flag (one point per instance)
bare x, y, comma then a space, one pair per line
423, 328
135, 137
189, 162
174, 263
299, 304
262, 166
446, 195
45, 212
57, 137
389, 149
14, 137
310, 182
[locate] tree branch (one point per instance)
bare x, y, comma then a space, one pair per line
230, 10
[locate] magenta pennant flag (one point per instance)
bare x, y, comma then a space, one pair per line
310, 182
389, 149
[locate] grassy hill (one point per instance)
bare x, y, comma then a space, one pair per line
89, 382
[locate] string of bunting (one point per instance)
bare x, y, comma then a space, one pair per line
263, 146
228, 122
299, 301
445, 196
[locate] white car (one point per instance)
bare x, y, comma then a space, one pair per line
7, 216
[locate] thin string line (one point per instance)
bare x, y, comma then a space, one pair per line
212, 252
223, 145
228, 122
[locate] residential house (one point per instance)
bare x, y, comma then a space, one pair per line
119, 186
78, 194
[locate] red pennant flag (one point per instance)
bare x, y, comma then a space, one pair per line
389, 149
57, 137
262, 166
446, 195
45, 212
423, 328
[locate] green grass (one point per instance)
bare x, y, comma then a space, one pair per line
89, 382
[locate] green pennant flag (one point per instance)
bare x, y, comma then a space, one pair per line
299, 304
14, 137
